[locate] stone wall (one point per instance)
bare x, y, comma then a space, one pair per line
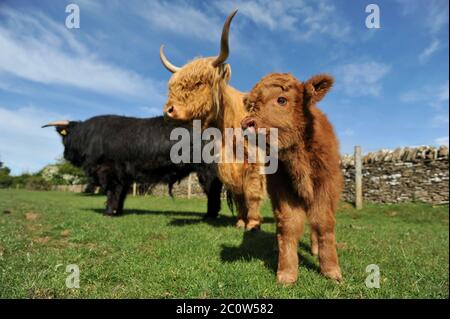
389, 176
180, 190
401, 175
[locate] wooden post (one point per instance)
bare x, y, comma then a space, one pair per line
189, 186
358, 178
134, 189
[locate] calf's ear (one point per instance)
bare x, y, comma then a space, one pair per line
317, 87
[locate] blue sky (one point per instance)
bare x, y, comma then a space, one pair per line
392, 83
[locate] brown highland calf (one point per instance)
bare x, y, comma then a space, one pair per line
308, 181
199, 91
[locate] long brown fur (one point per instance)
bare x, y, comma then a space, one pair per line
201, 91
308, 182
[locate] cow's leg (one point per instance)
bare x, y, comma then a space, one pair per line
290, 225
239, 200
123, 192
322, 222
254, 192
214, 194
314, 242
106, 182
113, 199
254, 218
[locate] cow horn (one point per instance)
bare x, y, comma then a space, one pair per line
57, 124
169, 66
224, 49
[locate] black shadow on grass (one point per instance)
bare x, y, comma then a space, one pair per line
91, 195
263, 246
148, 212
221, 221
192, 217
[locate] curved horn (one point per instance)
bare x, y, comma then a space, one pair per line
224, 49
57, 123
169, 66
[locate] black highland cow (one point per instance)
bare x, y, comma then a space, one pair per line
114, 151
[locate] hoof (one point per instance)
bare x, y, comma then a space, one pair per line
240, 224
253, 226
286, 278
333, 274
315, 251
112, 213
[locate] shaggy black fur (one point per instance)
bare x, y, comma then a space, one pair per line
114, 151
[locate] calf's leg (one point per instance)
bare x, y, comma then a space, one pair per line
254, 192
290, 225
322, 222
314, 242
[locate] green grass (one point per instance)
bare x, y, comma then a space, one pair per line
162, 249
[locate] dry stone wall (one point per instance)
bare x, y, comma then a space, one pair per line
389, 176
401, 175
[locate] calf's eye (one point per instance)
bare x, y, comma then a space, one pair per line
282, 101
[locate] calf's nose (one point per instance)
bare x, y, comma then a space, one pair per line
248, 123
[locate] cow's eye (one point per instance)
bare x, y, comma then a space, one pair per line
282, 101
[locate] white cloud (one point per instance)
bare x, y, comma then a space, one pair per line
304, 20
429, 50
50, 54
182, 19
442, 141
361, 78
433, 13
436, 96
436, 15
440, 120
348, 132
24, 145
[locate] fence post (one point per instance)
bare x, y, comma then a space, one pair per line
358, 178
189, 186
134, 189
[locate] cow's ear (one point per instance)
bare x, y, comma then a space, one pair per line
317, 87
62, 130
245, 100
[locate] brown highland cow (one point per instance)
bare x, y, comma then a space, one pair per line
199, 91
308, 181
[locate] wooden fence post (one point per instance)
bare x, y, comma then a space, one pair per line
189, 186
134, 189
358, 178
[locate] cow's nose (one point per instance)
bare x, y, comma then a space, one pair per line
170, 111
248, 123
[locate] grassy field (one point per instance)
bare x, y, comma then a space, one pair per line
161, 248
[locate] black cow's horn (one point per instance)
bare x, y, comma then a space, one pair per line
57, 123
